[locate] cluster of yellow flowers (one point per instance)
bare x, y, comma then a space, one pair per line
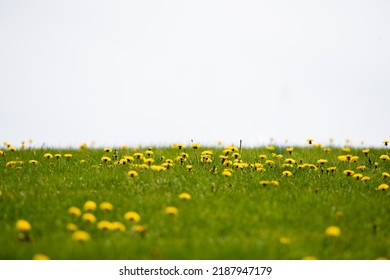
229, 162
86, 217
89, 218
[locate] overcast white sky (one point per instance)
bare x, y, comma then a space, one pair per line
160, 72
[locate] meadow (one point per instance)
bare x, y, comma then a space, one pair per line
195, 202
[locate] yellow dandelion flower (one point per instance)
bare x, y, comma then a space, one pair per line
48, 156
384, 157
366, 178
331, 169
83, 146
270, 148
178, 146
361, 167
354, 159
333, 231
89, 217
57, 156
141, 166
104, 225
149, 153
322, 161
157, 168
284, 240
226, 152
166, 165
262, 156
386, 142
241, 165
189, 167
385, 175
287, 173
275, 182
74, 211
105, 159
309, 140
383, 187
132, 216
108, 150
264, 182
12, 149
106, 206
185, 196
346, 149
207, 153
366, 151
312, 166
71, 227
148, 161
232, 148
40, 257
118, 226
357, 176
68, 156
226, 173
23, 225
195, 146
12, 163
342, 158
139, 229
33, 162
89, 205
184, 155
236, 155
132, 173
327, 149
81, 236
289, 161
138, 156
270, 162
128, 158
206, 159
290, 150
227, 163
171, 210
348, 172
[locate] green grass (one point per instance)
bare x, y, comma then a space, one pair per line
226, 218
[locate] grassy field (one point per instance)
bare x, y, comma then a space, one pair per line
195, 203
